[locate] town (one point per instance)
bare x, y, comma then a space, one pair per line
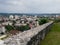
15, 24
29, 22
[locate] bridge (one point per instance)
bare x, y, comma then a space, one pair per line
30, 37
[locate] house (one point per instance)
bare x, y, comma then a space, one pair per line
7, 23
16, 17
19, 24
23, 20
11, 17
2, 29
14, 32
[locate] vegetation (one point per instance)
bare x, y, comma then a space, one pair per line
57, 20
8, 27
53, 37
20, 28
23, 28
42, 21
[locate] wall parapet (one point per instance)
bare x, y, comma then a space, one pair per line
30, 37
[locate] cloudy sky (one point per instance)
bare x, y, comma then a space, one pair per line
30, 6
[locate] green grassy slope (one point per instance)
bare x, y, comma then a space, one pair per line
53, 37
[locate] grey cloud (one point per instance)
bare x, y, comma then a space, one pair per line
30, 6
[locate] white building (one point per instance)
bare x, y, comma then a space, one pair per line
57, 15
16, 17
35, 16
45, 15
29, 19
7, 23
2, 29
11, 17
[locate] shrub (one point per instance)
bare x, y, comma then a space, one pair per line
8, 27
57, 20
23, 28
42, 21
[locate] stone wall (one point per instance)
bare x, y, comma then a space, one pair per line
30, 37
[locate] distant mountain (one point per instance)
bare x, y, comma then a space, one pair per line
31, 14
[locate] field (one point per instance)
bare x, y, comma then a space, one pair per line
53, 37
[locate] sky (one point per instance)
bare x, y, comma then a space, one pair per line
29, 6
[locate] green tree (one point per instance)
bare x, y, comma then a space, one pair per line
42, 21
23, 28
8, 27
27, 27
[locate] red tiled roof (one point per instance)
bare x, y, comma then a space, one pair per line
13, 32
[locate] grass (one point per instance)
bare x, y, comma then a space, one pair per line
53, 37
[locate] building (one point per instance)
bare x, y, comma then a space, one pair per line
16, 17
11, 17
14, 32
7, 23
2, 29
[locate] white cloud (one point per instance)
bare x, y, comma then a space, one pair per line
30, 6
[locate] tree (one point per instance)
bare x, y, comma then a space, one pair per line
23, 28
8, 27
42, 21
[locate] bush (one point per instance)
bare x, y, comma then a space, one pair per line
57, 20
8, 27
27, 27
23, 28
42, 21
